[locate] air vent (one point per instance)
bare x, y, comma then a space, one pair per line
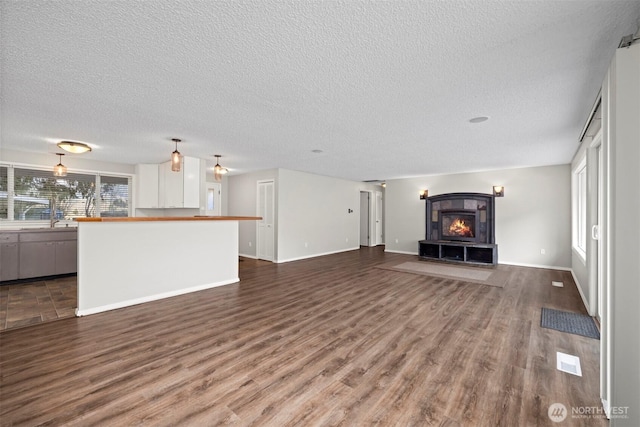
568, 363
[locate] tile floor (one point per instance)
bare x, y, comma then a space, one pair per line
30, 303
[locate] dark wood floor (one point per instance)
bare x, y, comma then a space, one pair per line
326, 341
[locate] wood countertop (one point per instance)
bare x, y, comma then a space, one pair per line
171, 218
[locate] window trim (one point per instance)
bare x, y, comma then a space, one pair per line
579, 206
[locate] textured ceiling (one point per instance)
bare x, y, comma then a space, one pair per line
384, 89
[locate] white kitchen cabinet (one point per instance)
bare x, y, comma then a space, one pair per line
147, 186
157, 186
180, 189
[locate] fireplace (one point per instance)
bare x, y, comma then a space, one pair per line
458, 225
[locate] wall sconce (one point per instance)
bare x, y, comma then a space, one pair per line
60, 169
175, 157
498, 191
424, 194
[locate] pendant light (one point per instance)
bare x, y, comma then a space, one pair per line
218, 170
175, 157
60, 169
74, 147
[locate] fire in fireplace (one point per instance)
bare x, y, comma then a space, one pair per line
458, 226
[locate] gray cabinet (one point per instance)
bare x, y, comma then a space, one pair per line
66, 257
37, 259
37, 253
8, 256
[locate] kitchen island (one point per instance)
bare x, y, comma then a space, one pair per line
133, 260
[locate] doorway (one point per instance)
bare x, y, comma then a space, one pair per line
365, 216
214, 199
371, 225
379, 240
265, 245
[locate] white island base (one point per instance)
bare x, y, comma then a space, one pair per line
124, 261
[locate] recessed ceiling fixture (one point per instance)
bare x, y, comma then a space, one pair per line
74, 147
479, 119
218, 170
60, 169
175, 156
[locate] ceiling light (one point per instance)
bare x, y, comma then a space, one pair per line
74, 147
218, 170
175, 157
316, 151
60, 169
479, 119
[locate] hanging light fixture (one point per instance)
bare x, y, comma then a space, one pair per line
74, 147
175, 157
60, 169
218, 170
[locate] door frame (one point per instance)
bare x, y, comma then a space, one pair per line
259, 241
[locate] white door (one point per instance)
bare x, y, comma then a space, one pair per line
214, 199
265, 232
364, 218
596, 230
378, 239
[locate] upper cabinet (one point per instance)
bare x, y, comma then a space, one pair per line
159, 187
147, 186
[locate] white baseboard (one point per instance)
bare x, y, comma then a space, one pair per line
150, 298
280, 261
248, 256
400, 252
547, 267
584, 300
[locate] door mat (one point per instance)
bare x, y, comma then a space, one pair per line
480, 275
573, 323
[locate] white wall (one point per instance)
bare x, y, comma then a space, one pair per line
534, 214
621, 134
309, 208
313, 215
126, 263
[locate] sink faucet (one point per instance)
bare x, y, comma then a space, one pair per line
53, 222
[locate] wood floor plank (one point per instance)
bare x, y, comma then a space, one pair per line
326, 341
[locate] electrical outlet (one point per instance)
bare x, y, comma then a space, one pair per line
543, 252
396, 240
347, 240
250, 244
306, 245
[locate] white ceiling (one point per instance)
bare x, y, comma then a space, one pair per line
385, 88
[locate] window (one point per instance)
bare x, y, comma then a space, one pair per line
3, 191
579, 211
36, 195
114, 196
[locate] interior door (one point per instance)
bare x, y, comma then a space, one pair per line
596, 233
265, 226
214, 199
379, 240
365, 240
